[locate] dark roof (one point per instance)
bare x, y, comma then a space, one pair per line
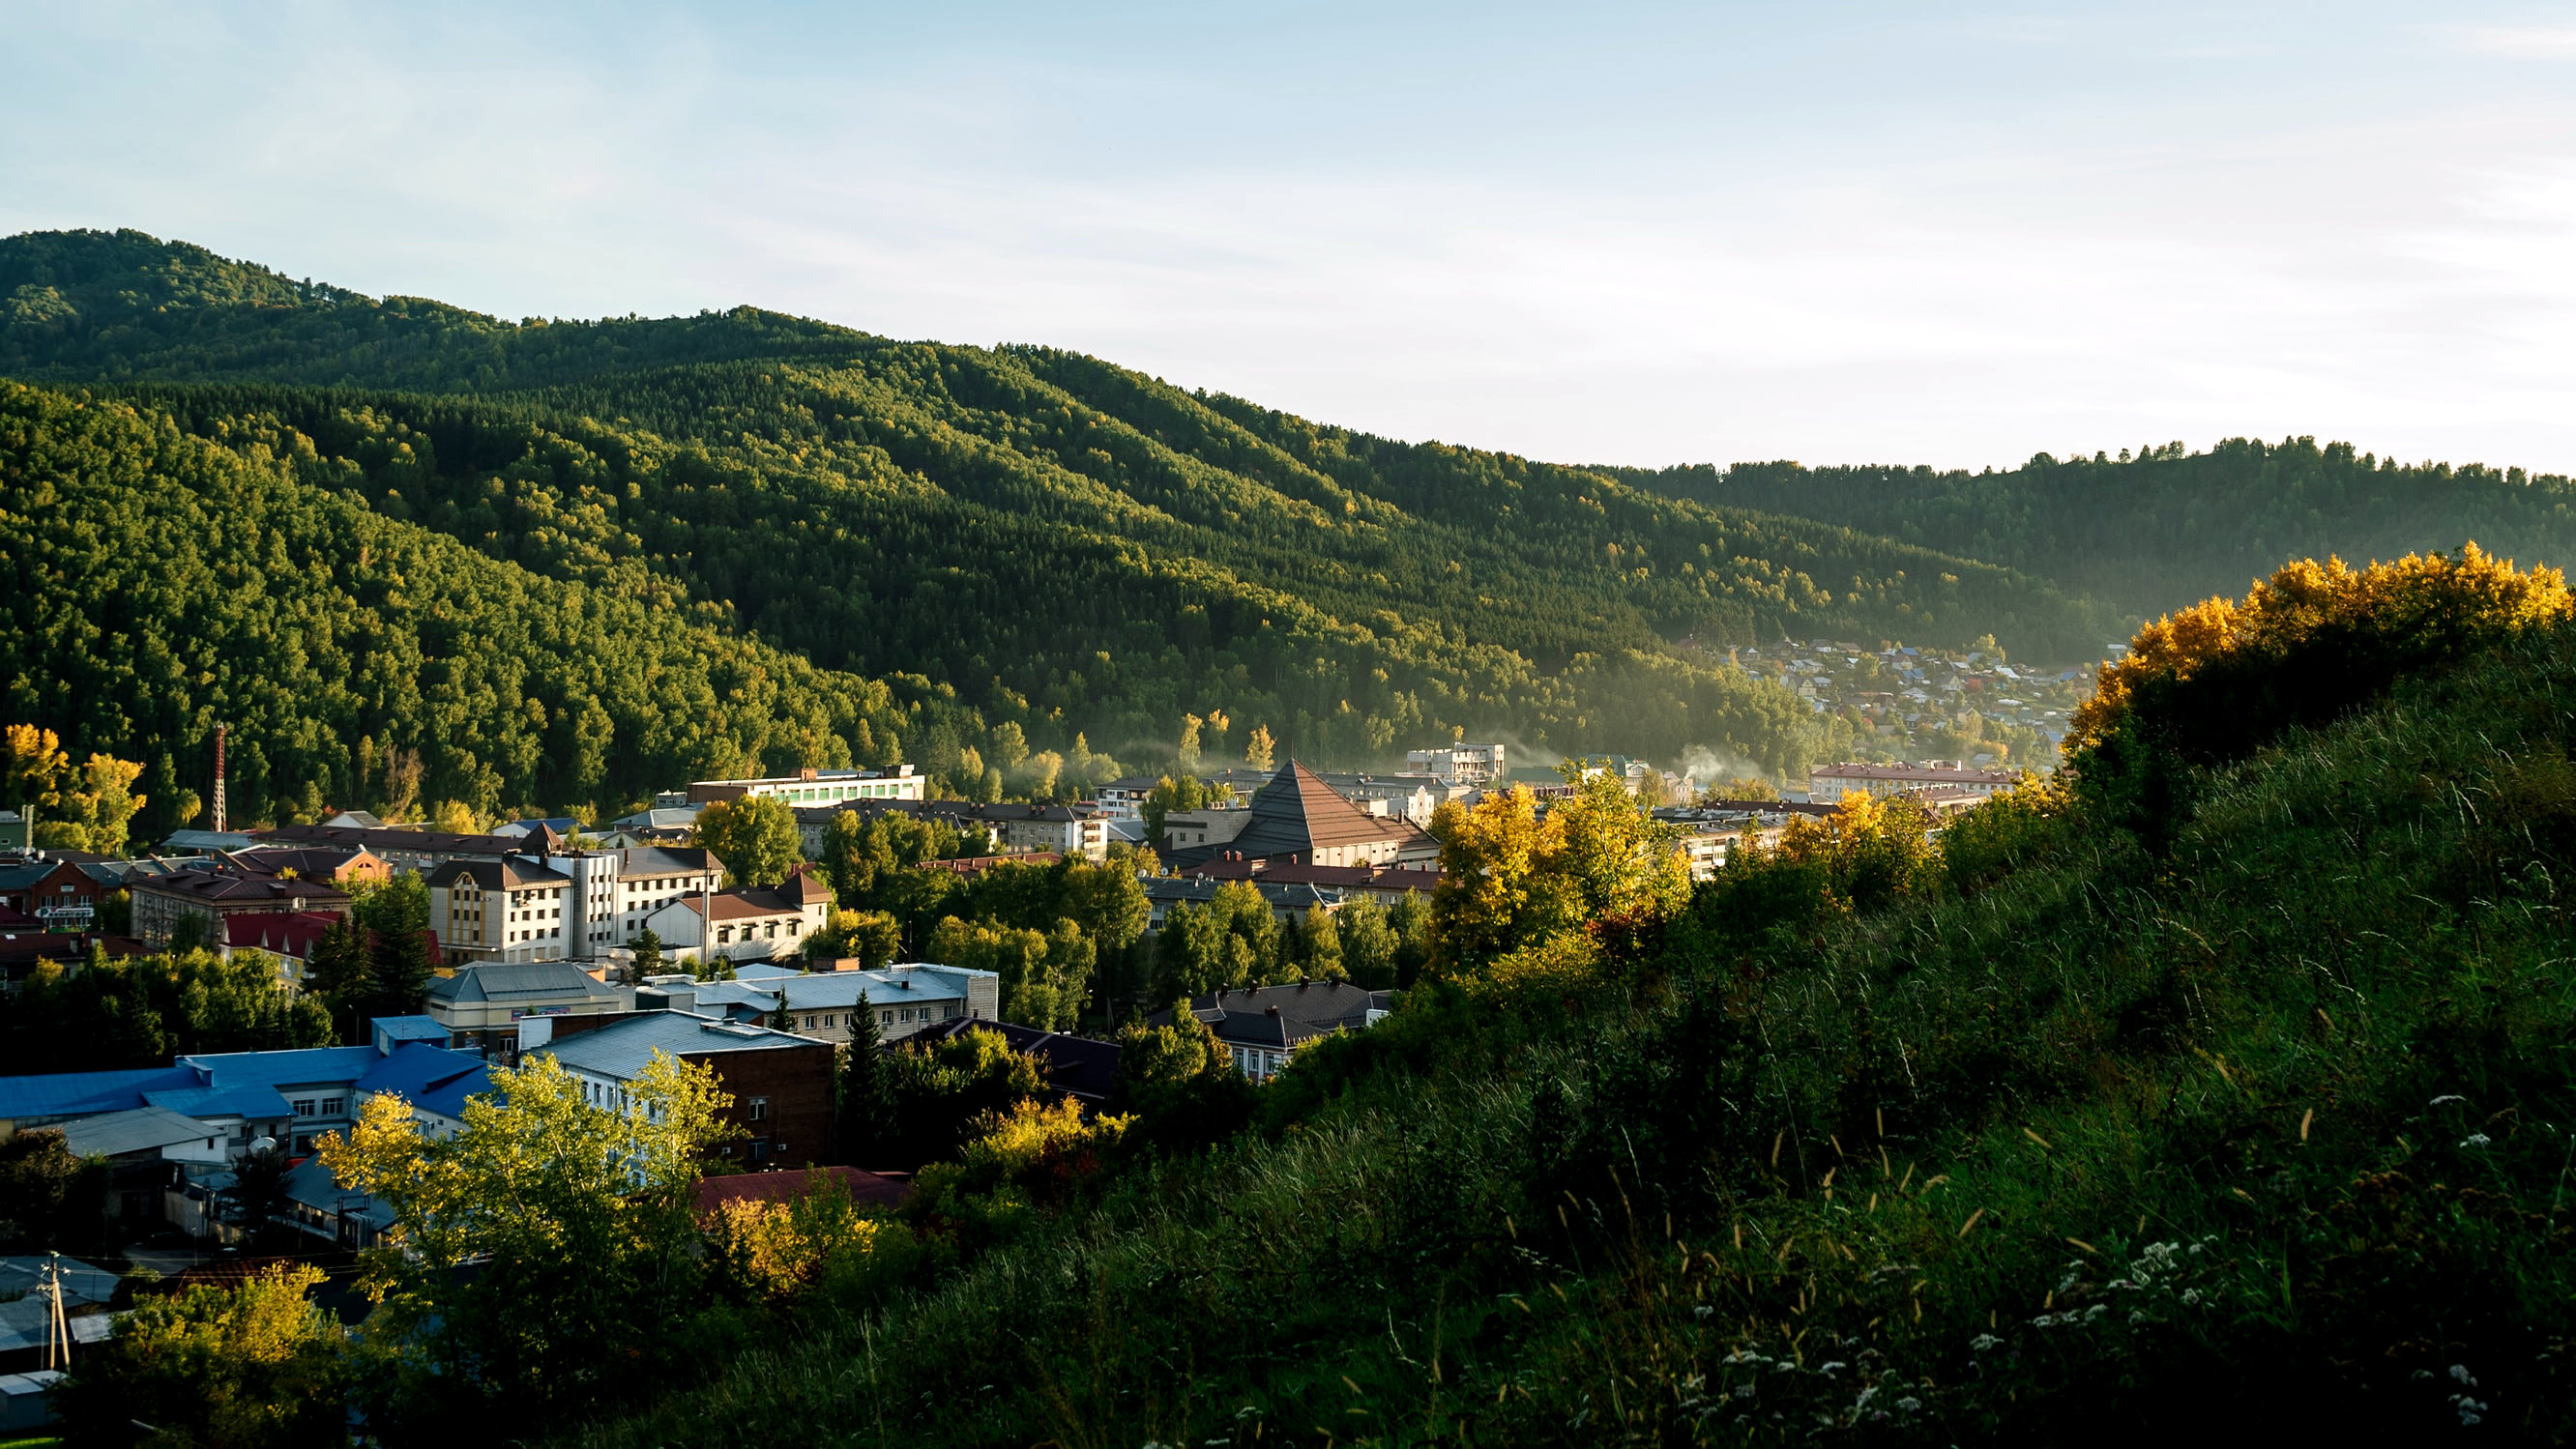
227, 886
436, 842
1078, 1066
1284, 1016
497, 875
304, 860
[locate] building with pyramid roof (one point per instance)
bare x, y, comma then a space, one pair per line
1297, 819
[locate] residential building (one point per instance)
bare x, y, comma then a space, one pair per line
509, 909
1264, 1026
1297, 817
290, 936
208, 897
55, 894
295, 1097
815, 787
757, 923
14, 831
1828, 783
1478, 765
781, 1085
553, 830
486, 1007
651, 877
907, 999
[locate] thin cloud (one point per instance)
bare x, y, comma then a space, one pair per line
2521, 42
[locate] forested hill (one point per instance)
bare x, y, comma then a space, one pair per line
2165, 527
1077, 550
164, 583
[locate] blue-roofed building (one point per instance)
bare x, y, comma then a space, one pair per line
389, 1032
295, 1097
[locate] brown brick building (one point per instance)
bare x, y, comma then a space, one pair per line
782, 1085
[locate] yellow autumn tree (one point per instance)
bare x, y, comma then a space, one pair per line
1513, 878
86, 808
2317, 624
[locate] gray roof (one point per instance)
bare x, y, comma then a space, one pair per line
505, 981
648, 860
144, 1129
661, 817
622, 1049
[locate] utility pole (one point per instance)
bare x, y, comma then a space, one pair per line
58, 1333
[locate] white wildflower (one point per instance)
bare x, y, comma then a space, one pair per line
1702, 1311
2460, 1371
1830, 1365
2446, 1097
1982, 1342
2096, 1311
1909, 1404
2476, 1139
2191, 1298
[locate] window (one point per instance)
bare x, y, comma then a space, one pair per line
335, 1106
885, 1018
304, 1106
757, 1110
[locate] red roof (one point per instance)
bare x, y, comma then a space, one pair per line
280, 933
867, 1189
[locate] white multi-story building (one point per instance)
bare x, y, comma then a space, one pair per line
1466, 764
813, 787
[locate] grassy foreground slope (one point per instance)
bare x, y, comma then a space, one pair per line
1072, 545
2270, 1130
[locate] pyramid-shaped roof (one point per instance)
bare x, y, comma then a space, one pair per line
1297, 813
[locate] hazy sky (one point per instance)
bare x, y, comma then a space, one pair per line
1642, 234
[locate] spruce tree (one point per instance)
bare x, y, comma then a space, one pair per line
867, 1097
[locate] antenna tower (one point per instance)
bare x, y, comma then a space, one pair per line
220, 826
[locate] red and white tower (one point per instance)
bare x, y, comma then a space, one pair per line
219, 778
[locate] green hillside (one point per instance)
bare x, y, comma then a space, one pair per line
164, 583
1074, 548
2166, 527
2259, 1121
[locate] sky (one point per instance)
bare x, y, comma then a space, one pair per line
1644, 234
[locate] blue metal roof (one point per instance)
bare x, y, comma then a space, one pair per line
251, 1103
447, 1099
279, 1069
71, 1094
414, 1069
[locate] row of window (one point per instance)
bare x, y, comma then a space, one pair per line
331, 1107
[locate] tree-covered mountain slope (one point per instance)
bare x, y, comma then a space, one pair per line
2165, 527
1073, 546
2067, 1131
164, 584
